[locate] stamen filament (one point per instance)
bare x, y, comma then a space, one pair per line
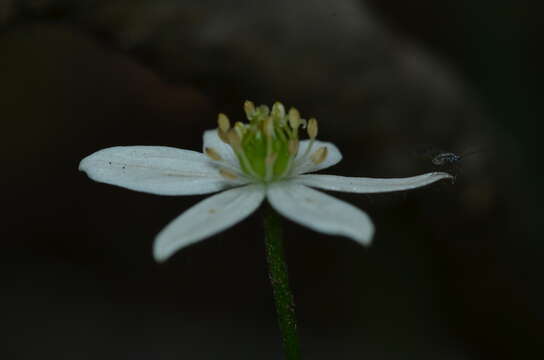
246, 163
312, 128
236, 144
270, 160
308, 149
287, 170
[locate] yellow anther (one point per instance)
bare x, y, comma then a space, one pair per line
278, 110
319, 155
249, 108
214, 155
312, 128
294, 118
264, 110
226, 173
293, 147
223, 122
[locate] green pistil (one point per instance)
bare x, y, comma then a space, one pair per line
264, 142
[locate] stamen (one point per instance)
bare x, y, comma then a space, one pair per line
223, 122
223, 136
293, 147
294, 118
223, 127
288, 167
214, 155
268, 130
308, 149
312, 128
268, 126
240, 129
236, 145
249, 108
319, 155
278, 110
263, 110
269, 162
234, 140
228, 174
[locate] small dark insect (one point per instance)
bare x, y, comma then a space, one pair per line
445, 161
450, 162
449, 158
445, 158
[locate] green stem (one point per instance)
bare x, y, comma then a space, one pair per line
277, 269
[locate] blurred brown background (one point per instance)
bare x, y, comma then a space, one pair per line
454, 271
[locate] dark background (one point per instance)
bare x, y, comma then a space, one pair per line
454, 271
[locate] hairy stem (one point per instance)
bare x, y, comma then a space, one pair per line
277, 269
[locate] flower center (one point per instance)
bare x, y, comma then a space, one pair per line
267, 145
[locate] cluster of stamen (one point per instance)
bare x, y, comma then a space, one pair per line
267, 146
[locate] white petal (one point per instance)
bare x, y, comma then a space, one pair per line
369, 185
304, 164
207, 218
212, 140
320, 212
155, 169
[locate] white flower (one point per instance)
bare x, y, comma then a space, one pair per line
247, 163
